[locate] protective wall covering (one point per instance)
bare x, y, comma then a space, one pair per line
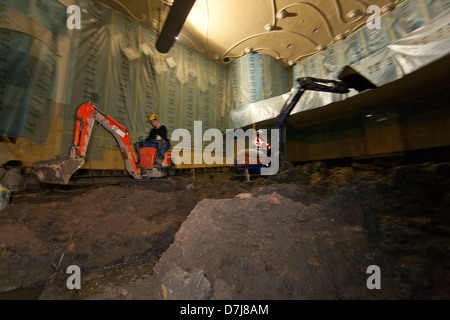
254, 78
411, 36
88, 74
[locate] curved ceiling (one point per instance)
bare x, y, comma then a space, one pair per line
290, 31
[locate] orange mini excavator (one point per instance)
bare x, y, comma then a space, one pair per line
147, 163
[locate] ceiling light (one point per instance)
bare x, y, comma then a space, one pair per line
268, 27
339, 37
248, 50
315, 30
320, 47
291, 63
282, 14
289, 46
155, 23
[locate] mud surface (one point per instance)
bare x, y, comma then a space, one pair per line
309, 232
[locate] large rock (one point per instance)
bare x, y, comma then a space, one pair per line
266, 247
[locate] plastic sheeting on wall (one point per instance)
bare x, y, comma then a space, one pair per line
353, 48
257, 111
255, 77
113, 63
221, 94
424, 45
377, 39
311, 68
189, 96
120, 102
15, 64
28, 69
207, 90
380, 68
407, 18
436, 7
88, 76
170, 99
332, 64
147, 101
50, 15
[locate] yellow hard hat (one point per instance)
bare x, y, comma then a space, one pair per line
152, 117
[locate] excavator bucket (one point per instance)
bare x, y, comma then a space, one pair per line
58, 170
353, 79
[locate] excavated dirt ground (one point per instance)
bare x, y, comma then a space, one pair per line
309, 232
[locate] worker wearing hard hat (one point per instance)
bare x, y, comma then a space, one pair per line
158, 133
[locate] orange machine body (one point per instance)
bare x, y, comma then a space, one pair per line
147, 157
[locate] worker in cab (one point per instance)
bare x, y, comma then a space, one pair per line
158, 133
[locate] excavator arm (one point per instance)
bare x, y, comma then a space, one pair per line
60, 169
348, 79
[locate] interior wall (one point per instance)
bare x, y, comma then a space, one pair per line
30, 46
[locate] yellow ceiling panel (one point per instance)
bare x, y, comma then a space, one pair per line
290, 31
